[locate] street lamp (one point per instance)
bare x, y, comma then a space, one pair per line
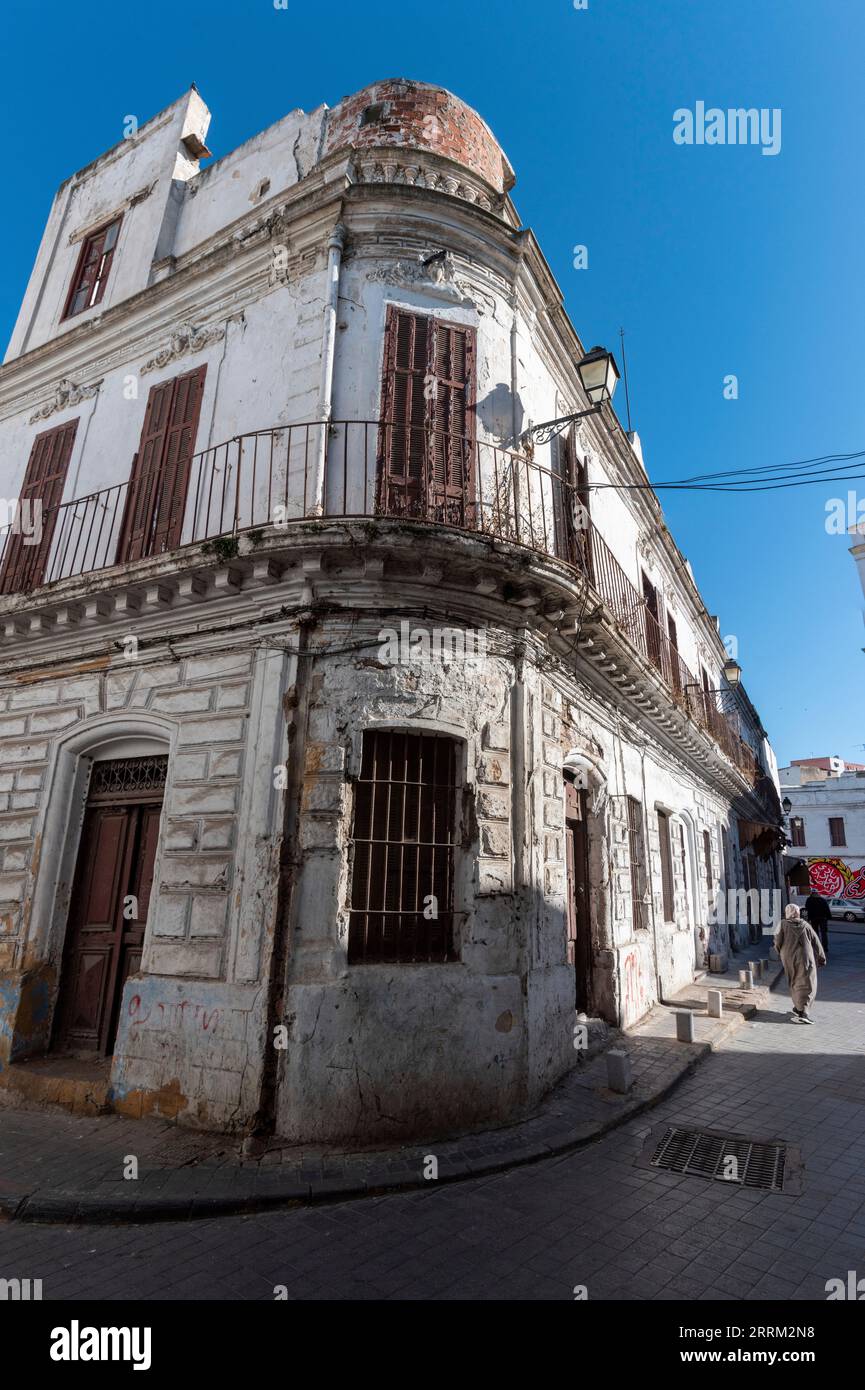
786, 805
598, 374
732, 672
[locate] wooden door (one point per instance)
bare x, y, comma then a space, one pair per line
108, 914
571, 514
24, 564
426, 466
577, 894
653, 625
156, 498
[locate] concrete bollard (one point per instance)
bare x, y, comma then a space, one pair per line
715, 1002
619, 1076
684, 1026
746, 979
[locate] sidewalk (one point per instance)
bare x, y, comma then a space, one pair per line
59, 1167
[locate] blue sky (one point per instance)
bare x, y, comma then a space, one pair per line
717, 260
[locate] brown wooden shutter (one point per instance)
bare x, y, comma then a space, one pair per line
426, 437
653, 626
452, 370
160, 471
666, 850
44, 480
836, 830
179, 448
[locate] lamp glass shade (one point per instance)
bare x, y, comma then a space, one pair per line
599, 374
786, 805
732, 672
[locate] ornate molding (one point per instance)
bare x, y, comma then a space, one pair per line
414, 171
66, 393
184, 340
644, 548
436, 273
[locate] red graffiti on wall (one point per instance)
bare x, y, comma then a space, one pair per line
832, 878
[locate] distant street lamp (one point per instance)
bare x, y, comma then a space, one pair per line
599, 375
786, 805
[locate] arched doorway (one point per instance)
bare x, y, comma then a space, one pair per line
577, 898
111, 891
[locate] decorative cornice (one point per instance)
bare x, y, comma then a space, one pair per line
184, 340
436, 273
416, 170
66, 393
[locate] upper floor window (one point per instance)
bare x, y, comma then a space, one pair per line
836, 830
91, 272
797, 830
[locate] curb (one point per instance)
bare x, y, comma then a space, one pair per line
389, 1175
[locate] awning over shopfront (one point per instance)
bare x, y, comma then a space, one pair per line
796, 872
764, 839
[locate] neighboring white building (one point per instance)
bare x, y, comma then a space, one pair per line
349, 742
826, 823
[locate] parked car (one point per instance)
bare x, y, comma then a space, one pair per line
847, 910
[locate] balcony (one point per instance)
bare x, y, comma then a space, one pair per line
356, 469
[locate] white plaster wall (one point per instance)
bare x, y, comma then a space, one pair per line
147, 164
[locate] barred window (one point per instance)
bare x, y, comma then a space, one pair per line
404, 837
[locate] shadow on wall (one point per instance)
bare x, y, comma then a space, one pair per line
501, 415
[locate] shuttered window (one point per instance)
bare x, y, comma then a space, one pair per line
91, 272
637, 850
404, 835
707, 855
426, 439
666, 850
836, 830
156, 499
797, 831
24, 563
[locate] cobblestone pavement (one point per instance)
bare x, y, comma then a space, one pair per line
589, 1218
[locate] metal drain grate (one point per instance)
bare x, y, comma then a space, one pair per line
727, 1157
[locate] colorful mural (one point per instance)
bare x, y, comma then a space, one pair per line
833, 878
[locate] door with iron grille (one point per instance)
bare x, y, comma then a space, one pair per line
577, 894
110, 899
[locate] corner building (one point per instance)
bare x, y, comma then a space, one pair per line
268, 410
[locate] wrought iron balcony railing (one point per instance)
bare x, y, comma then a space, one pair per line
371, 469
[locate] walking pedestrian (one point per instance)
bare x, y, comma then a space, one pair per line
818, 912
800, 950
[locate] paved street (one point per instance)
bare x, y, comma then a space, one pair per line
590, 1218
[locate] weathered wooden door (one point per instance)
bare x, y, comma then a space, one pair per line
426, 459
156, 497
110, 900
577, 894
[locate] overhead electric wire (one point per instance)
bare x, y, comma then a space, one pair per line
760, 478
